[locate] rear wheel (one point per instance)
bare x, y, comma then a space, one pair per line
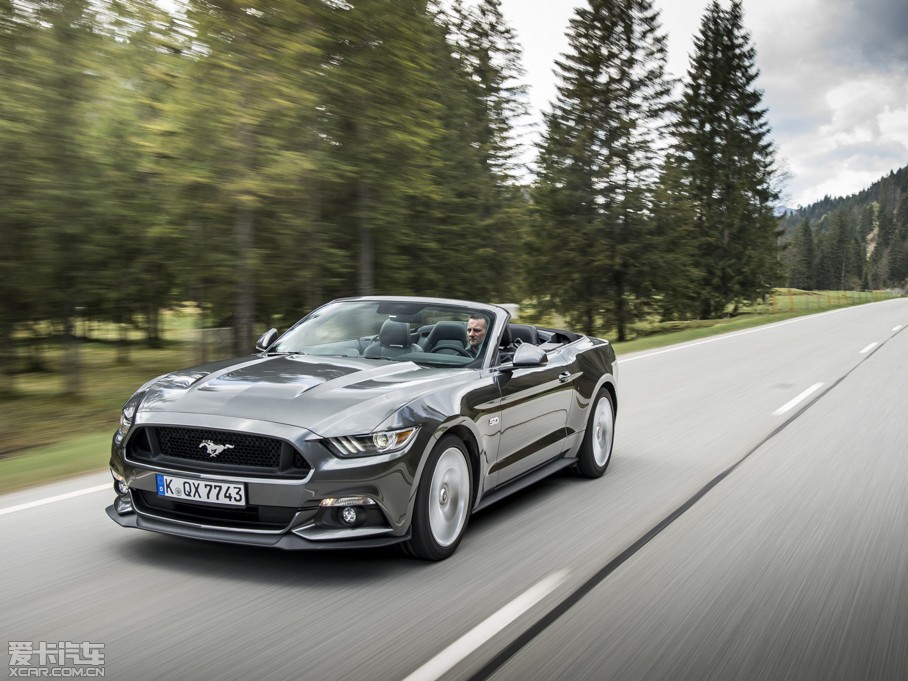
596, 449
443, 502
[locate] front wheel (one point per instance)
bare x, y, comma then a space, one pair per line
443, 502
596, 449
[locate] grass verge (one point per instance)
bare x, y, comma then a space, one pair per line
719, 327
82, 454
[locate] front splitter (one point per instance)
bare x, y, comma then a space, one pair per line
286, 541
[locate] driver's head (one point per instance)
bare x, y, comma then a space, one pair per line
476, 330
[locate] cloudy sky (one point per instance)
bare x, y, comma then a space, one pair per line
834, 75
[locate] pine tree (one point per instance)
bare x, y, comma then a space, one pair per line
17, 221
65, 176
235, 145
898, 249
449, 215
726, 157
132, 284
801, 258
841, 257
670, 262
383, 122
598, 164
488, 52
491, 56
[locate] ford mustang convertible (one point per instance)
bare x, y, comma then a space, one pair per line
371, 421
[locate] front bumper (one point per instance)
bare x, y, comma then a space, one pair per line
281, 512
287, 541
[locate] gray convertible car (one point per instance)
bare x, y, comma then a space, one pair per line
372, 421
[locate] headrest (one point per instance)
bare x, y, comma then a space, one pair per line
456, 331
394, 333
525, 333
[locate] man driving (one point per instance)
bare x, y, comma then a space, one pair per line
476, 333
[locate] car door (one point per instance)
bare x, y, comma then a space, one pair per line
534, 407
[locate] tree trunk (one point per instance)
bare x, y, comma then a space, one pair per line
589, 319
123, 344
243, 227
621, 315
366, 255
8, 356
244, 237
72, 369
314, 280
153, 327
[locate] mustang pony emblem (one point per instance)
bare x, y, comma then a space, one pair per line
214, 449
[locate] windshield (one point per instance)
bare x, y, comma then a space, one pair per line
428, 333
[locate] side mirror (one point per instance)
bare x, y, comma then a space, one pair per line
265, 340
529, 355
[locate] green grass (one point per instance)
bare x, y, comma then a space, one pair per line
783, 304
698, 331
785, 300
39, 413
45, 435
82, 454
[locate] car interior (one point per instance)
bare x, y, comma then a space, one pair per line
444, 338
410, 331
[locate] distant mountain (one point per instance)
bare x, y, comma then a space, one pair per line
851, 242
887, 190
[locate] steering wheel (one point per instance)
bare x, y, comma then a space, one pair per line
456, 348
365, 341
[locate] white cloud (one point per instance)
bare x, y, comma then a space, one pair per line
861, 135
894, 126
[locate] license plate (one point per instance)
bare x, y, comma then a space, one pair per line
225, 493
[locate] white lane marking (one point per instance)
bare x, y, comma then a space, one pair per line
482, 632
59, 497
868, 348
897, 328
788, 406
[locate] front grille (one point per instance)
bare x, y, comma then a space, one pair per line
221, 451
249, 518
240, 449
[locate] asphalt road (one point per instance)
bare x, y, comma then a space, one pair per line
753, 525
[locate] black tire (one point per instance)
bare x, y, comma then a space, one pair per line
599, 438
443, 502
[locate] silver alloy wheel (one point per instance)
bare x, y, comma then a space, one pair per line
603, 428
449, 496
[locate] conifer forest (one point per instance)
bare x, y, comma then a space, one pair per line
261, 158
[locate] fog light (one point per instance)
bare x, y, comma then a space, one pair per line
347, 501
122, 488
349, 515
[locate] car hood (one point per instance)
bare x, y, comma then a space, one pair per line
327, 396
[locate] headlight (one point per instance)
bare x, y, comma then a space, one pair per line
128, 415
375, 443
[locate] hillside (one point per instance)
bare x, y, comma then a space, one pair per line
853, 242
886, 190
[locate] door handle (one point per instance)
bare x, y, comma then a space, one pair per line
564, 376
